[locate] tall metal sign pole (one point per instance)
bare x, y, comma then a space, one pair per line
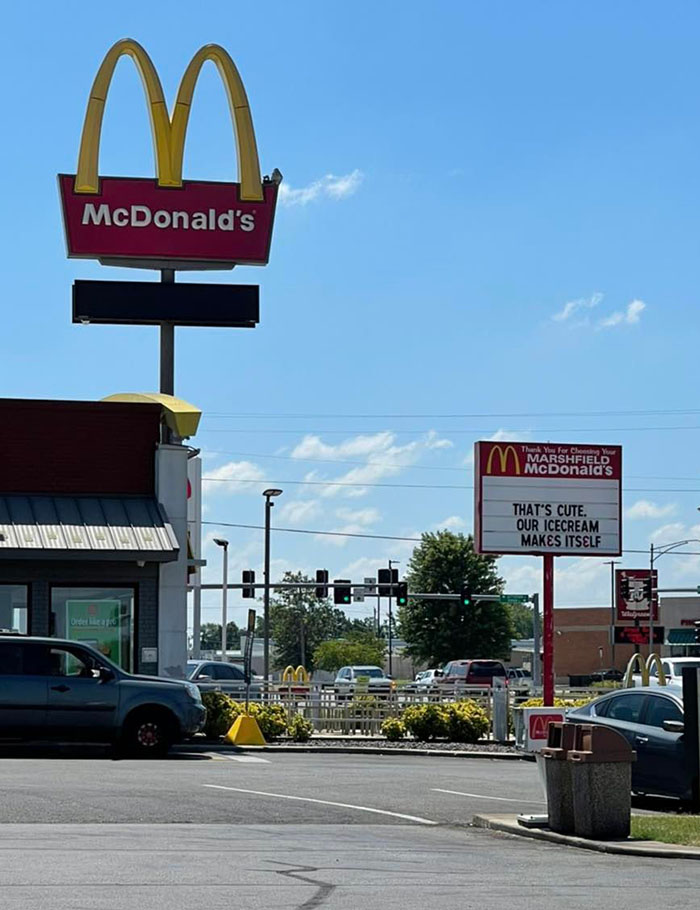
547, 499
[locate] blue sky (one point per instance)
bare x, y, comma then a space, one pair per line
491, 210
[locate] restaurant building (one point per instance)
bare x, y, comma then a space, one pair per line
93, 525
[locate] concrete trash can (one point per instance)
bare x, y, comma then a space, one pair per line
601, 780
560, 797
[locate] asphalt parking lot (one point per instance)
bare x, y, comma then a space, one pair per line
296, 831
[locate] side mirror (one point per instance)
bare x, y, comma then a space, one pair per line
106, 674
674, 726
203, 678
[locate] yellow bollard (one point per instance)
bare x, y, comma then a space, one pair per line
245, 732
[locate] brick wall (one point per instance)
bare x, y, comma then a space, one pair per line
78, 447
579, 633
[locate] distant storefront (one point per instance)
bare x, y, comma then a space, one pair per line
87, 548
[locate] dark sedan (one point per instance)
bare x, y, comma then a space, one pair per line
651, 719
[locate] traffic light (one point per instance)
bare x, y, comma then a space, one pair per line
402, 593
342, 591
387, 578
248, 579
625, 588
647, 588
322, 583
697, 631
467, 599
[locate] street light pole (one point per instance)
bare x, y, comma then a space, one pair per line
269, 495
220, 542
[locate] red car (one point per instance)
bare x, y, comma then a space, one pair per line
473, 672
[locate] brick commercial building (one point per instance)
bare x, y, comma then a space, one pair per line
582, 637
93, 525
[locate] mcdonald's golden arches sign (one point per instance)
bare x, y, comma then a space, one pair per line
140, 221
547, 498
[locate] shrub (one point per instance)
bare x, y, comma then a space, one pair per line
558, 703
272, 719
300, 729
466, 721
426, 721
394, 729
222, 710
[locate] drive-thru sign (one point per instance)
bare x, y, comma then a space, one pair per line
547, 498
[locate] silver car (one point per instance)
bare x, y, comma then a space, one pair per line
221, 676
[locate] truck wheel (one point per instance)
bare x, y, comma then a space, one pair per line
148, 734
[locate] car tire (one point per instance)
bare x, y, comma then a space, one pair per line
148, 734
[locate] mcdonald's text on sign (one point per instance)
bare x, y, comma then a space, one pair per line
185, 223
547, 498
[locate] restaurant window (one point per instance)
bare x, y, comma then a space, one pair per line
14, 613
100, 617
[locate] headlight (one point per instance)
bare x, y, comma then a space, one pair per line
193, 691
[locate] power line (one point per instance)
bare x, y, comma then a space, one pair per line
230, 524
306, 416
410, 486
453, 430
404, 467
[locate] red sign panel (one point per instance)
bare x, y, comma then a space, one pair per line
638, 635
632, 589
539, 724
135, 220
549, 460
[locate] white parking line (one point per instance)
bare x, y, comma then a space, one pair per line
501, 799
250, 759
326, 802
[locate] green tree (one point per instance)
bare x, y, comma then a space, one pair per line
332, 655
440, 630
299, 623
521, 620
210, 637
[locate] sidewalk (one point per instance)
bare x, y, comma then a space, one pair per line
509, 825
358, 746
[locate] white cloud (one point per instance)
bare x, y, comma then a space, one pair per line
365, 517
384, 458
643, 508
575, 306
629, 316
233, 477
296, 510
669, 533
329, 187
451, 523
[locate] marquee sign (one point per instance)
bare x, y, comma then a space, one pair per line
546, 498
631, 594
185, 223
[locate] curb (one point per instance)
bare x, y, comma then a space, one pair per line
509, 825
343, 750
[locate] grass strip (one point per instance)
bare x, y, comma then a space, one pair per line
676, 829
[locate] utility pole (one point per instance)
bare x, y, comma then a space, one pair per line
612, 563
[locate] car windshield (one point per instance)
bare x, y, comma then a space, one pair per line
191, 667
372, 672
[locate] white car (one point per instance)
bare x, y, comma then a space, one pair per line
425, 680
673, 670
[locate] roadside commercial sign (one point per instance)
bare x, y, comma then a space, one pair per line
638, 635
186, 223
548, 499
632, 594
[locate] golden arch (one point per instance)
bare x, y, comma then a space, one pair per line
300, 675
169, 132
656, 659
636, 662
503, 459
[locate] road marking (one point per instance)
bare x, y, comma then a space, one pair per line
326, 802
501, 799
250, 759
